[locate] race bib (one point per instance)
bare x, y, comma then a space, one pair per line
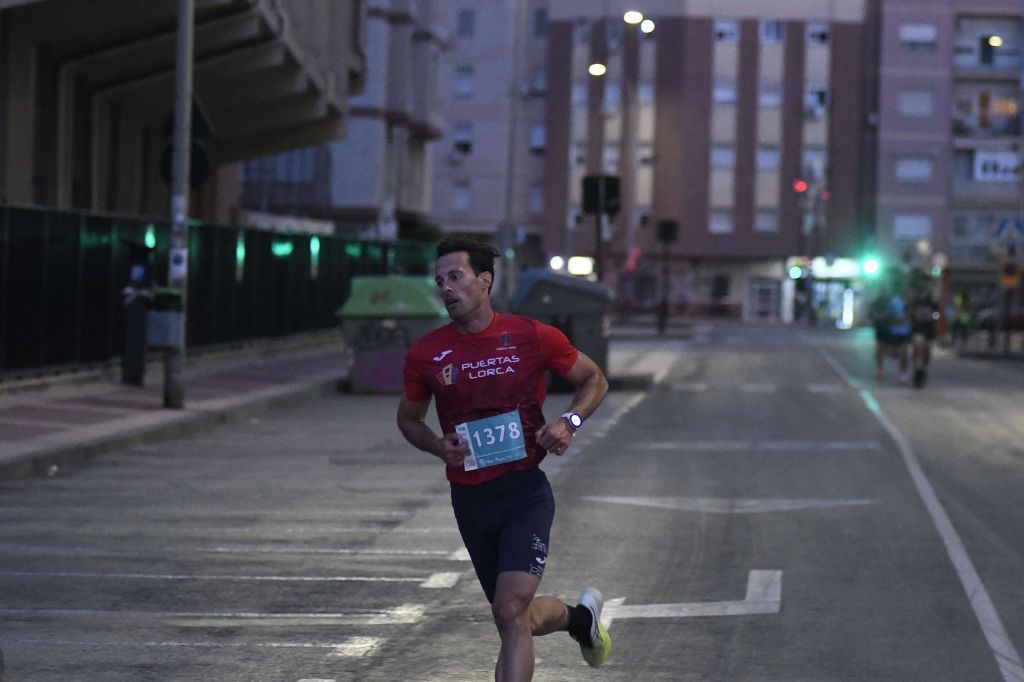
494, 440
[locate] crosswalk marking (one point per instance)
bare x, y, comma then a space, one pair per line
433, 581
404, 614
782, 446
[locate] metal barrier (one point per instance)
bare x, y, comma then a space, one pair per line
63, 279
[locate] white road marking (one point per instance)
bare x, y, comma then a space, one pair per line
43, 550
351, 646
999, 641
433, 581
439, 581
764, 596
405, 614
764, 445
357, 647
826, 389
727, 505
758, 388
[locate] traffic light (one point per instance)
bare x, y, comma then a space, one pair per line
871, 266
800, 185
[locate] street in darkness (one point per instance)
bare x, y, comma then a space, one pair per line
765, 510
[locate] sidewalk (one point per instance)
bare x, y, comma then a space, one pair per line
67, 421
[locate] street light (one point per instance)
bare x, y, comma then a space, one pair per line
633, 17
597, 69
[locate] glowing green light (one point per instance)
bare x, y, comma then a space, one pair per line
314, 246
871, 266
282, 248
240, 256
150, 238
796, 272
354, 250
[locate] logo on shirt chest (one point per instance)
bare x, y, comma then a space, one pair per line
490, 367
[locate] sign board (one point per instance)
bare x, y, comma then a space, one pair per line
996, 166
1009, 275
1010, 232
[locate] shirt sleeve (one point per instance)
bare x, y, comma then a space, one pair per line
416, 389
559, 354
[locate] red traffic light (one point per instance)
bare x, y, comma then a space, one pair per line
799, 186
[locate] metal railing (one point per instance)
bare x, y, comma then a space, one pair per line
63, 274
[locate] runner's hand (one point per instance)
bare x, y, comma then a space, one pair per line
454, 450
555, 437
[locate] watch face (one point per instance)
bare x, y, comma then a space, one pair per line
575, 420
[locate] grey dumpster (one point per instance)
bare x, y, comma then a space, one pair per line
577, 307
381, 318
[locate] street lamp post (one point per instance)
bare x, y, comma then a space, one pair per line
177, 277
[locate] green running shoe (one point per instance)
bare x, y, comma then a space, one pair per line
596, 651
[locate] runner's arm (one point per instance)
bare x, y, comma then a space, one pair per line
412, 424
591, 387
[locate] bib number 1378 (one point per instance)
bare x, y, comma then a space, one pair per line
494, 440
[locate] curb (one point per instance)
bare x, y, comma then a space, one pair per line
50, 458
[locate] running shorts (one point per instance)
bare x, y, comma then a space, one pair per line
505, 524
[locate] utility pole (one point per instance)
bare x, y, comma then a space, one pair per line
177, 272
506, 237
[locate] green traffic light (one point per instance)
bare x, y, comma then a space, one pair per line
796, 272
871, 266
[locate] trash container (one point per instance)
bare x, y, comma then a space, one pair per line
381, 318
579, 308
165, 322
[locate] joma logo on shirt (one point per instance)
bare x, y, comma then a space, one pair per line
490, 367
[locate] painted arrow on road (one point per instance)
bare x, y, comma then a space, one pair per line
764, 596
729, 505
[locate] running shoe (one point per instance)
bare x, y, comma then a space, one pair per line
596, 651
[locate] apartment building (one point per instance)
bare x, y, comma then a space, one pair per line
489, 164
742, 123
949, 140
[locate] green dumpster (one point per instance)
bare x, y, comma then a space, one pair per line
382, 317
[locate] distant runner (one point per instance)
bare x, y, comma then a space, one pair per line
486, 372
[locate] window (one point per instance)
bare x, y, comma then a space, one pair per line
909, 226
767, 158
914, 169
773, 31
724, 93
720, 222
579, 94
465, 25
464, 81
815, 100
536, 200
817, 33
581, 31
915, 103
460, 196
612, 96
538, 138
645, 92
540, 23
723, 156
814, 160
918, 37
770, 95
766, 221
462, 136
727, 31
539, 81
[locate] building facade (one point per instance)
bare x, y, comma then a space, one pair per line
377, 181
742, 124
949, 140
87, 93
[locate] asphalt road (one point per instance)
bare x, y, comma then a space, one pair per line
768, 511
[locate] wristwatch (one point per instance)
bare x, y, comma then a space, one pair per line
573, 419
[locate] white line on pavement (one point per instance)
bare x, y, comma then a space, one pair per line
433, 581
764, 596
765, 445
730, 505
44, 550
351, 646
405, 614
999, 641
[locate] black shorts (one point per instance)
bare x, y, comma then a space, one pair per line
505, 524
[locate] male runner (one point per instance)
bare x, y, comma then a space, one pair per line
486, 372
924, 315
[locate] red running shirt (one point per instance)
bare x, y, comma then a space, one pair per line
473, 376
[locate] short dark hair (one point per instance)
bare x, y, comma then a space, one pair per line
481, 255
